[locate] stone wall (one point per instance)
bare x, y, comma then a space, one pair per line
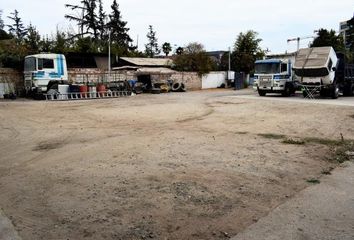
12, 77
191, 80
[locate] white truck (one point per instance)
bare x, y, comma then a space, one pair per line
43, 72
274, 76
322, 70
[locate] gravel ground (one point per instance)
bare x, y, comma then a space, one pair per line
197, 165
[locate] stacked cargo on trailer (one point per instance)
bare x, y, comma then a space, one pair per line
321, 70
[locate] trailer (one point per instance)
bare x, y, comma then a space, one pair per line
323, 71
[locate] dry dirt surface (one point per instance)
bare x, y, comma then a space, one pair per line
198, 165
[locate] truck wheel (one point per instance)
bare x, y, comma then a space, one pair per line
286, 92
261, 93
335, 92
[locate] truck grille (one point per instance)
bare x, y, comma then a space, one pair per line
265, 81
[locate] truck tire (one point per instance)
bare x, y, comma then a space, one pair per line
335, 91
287, 91
262, 93
348, 90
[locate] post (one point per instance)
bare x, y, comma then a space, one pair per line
229, 59
109, 52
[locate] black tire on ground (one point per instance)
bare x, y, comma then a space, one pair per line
176, 87
262, 93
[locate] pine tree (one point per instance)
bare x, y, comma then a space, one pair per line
1, 21
152, 47
32, 39
119, 31
101, 21
17, 29
86, 18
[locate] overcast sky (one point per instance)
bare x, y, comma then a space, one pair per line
214, 23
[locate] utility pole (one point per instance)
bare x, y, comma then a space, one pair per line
229, 59
109, 52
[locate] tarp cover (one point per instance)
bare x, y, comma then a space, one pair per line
312, 57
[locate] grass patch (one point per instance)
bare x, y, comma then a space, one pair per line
293, 141
326, 172
241, 133
324, 141
313, 181
271, 135
339, 148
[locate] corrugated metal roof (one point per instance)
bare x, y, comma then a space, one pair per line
148, 61
159, 70
312, 57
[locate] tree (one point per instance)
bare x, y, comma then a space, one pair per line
101, 21
328, 38
152, 47
32, 39
119, 32
45, 45
194, 59
86, 18
1, 21
17, 29
179, 51
166, 48
246, 52
60, 43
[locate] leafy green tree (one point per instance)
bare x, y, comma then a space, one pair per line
194, 59
246, 52
32, 39
166, 48
17, 29
152, 47
328, 38
121, 40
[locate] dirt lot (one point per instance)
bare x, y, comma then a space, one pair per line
199, 165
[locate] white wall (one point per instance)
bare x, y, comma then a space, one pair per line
213, 80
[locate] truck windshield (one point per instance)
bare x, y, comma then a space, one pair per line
267, 68
30, 64
311, 72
